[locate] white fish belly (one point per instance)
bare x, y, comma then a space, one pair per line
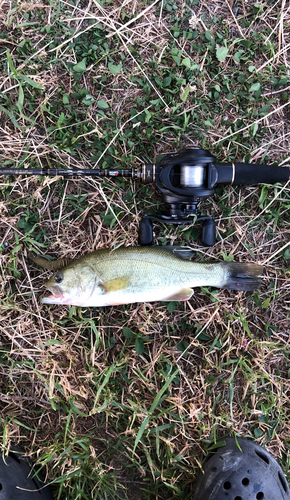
128, 297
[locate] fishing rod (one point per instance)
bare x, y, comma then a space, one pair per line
185, 179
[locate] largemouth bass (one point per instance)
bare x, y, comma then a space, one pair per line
141, 274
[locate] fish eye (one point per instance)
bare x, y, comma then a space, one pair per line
58, 278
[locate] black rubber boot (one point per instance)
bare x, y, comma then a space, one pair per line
252, 474
18, 480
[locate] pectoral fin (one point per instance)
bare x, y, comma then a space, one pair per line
115, 285
183, 294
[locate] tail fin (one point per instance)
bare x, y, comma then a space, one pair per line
242, 276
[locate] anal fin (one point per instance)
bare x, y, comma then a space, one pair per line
183, 294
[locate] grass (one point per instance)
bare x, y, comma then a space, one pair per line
123, 402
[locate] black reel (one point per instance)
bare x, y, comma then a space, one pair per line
190, 176
184, 179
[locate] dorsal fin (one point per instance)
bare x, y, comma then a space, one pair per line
45, 263
184, 253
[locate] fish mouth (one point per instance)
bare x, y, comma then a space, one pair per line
56, 296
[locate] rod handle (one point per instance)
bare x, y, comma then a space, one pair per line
249, 173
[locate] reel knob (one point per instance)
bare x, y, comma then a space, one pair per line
208, 235
145, 237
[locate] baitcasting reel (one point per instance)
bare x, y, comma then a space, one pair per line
185, 179
190, 176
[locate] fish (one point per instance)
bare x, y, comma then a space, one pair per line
128, 275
